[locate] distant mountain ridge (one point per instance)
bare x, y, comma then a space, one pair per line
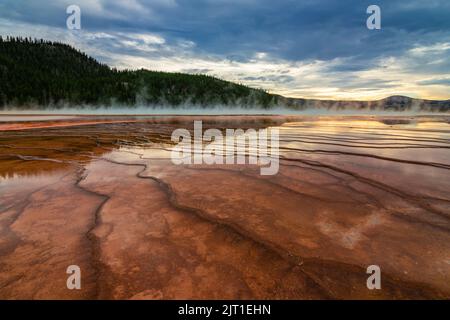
392, 103
42, 74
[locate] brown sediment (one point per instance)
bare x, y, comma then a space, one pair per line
46, 238
52, 124
277, 242
351, 192
95, 253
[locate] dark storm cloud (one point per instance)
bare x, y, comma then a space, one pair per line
290, 29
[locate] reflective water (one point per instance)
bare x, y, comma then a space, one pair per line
351, 192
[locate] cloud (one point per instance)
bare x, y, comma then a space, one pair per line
438, 81
311, 48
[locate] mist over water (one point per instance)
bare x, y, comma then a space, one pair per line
196, 110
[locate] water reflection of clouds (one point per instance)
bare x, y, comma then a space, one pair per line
27, 178
348, 145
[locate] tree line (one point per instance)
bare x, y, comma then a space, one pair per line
35, 72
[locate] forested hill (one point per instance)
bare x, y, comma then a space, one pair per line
43, 73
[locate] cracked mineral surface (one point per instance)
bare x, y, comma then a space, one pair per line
103, 194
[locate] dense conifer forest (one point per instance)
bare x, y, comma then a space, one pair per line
44, 73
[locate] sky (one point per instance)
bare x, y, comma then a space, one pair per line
298, 48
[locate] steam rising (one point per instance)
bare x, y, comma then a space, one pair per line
283, 106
